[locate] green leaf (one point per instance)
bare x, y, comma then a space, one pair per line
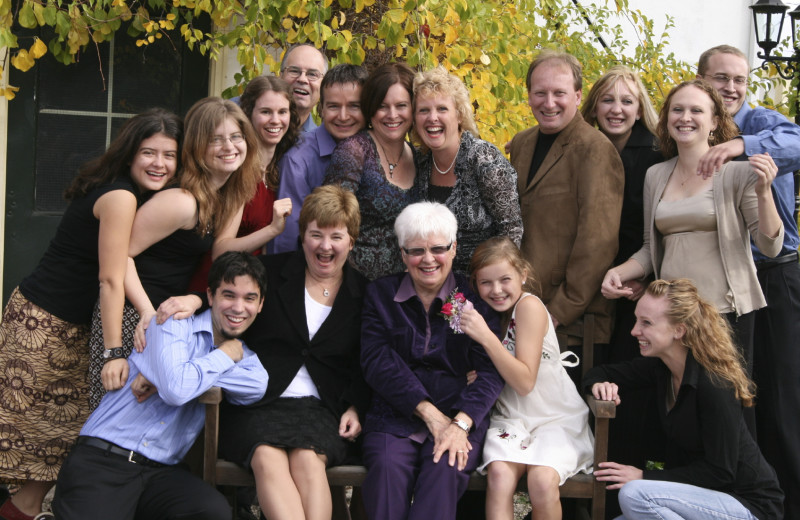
26, 17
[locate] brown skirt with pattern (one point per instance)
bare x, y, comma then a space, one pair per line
43, 390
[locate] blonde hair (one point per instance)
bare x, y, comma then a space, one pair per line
439, 82
708, 335
611, 78
726, 128
331, 206
565, 58
215, 207
702, 64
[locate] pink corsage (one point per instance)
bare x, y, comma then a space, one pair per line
452, 308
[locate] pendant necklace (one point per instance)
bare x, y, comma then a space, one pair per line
325, 292
443, 172
391, 166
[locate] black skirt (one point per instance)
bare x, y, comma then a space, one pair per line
293, 422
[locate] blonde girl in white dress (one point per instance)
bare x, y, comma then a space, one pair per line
539, 426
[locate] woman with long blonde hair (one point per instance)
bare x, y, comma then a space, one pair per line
713, 467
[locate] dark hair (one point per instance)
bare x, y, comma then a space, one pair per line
378, 85
252, 92
296, 45
117, 159
340, 75
229, 265
726, 128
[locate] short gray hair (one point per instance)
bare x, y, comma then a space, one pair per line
423, 220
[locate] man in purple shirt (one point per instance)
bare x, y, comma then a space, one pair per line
126, 463
303, 167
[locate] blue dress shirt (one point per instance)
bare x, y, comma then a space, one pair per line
182, 362
768, 131
302, 169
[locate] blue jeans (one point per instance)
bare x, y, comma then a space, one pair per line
662, 500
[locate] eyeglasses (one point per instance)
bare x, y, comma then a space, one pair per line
724, 79
435, 250
219, 141
295, 72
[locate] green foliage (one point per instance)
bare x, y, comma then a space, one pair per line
487, 43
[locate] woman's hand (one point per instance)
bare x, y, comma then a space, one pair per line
349, 425
281, 209
114, 374
606, 392
474, 326
613, 287
452, 440
618, 473
139, 341
178, 307
637, 289
765, 168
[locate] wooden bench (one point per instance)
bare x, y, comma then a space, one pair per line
219, 472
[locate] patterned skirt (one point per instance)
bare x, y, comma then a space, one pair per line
43, 390
130, 318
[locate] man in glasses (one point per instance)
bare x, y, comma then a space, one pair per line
776, 362
303, 67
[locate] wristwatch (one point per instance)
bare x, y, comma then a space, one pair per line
113, 353
461, 424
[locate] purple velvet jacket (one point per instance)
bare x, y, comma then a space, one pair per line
408, 355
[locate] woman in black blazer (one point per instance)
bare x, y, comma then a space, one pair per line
307, 336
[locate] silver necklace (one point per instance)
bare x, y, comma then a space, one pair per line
443, 172
325, 292
391, 166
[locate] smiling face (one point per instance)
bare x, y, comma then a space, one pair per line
618, 109
155, 162
234, 306
656, 335
500, 285
271, 117
732, 68
691, 116
341, 110
392, 120
326, 249
437, 123
552, 96
304, 91
226, 151
429, 271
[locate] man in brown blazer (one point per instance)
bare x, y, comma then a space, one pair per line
570, 181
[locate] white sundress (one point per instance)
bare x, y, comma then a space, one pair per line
547, 427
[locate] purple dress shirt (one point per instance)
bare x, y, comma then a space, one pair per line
409, 355
302, 169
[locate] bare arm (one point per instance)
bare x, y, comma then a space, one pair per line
115, 210
228, 241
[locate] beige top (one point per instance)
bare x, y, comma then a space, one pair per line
736, 209
691, 246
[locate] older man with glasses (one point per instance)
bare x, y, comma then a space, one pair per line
303, 67
776, 357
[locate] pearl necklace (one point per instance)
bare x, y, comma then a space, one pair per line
443, 172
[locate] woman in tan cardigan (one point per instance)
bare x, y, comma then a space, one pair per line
700, 228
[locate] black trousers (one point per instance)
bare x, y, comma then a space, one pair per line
777, 376
96, 485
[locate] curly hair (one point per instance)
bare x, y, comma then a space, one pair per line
708, 335
439, 82
726, 128
252, 92
215, 207
117, 159
496, 250
609, 80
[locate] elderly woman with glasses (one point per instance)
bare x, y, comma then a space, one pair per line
425, 425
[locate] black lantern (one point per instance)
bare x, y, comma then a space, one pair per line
768, 19
794, 15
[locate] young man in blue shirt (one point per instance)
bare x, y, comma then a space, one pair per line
126, 464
